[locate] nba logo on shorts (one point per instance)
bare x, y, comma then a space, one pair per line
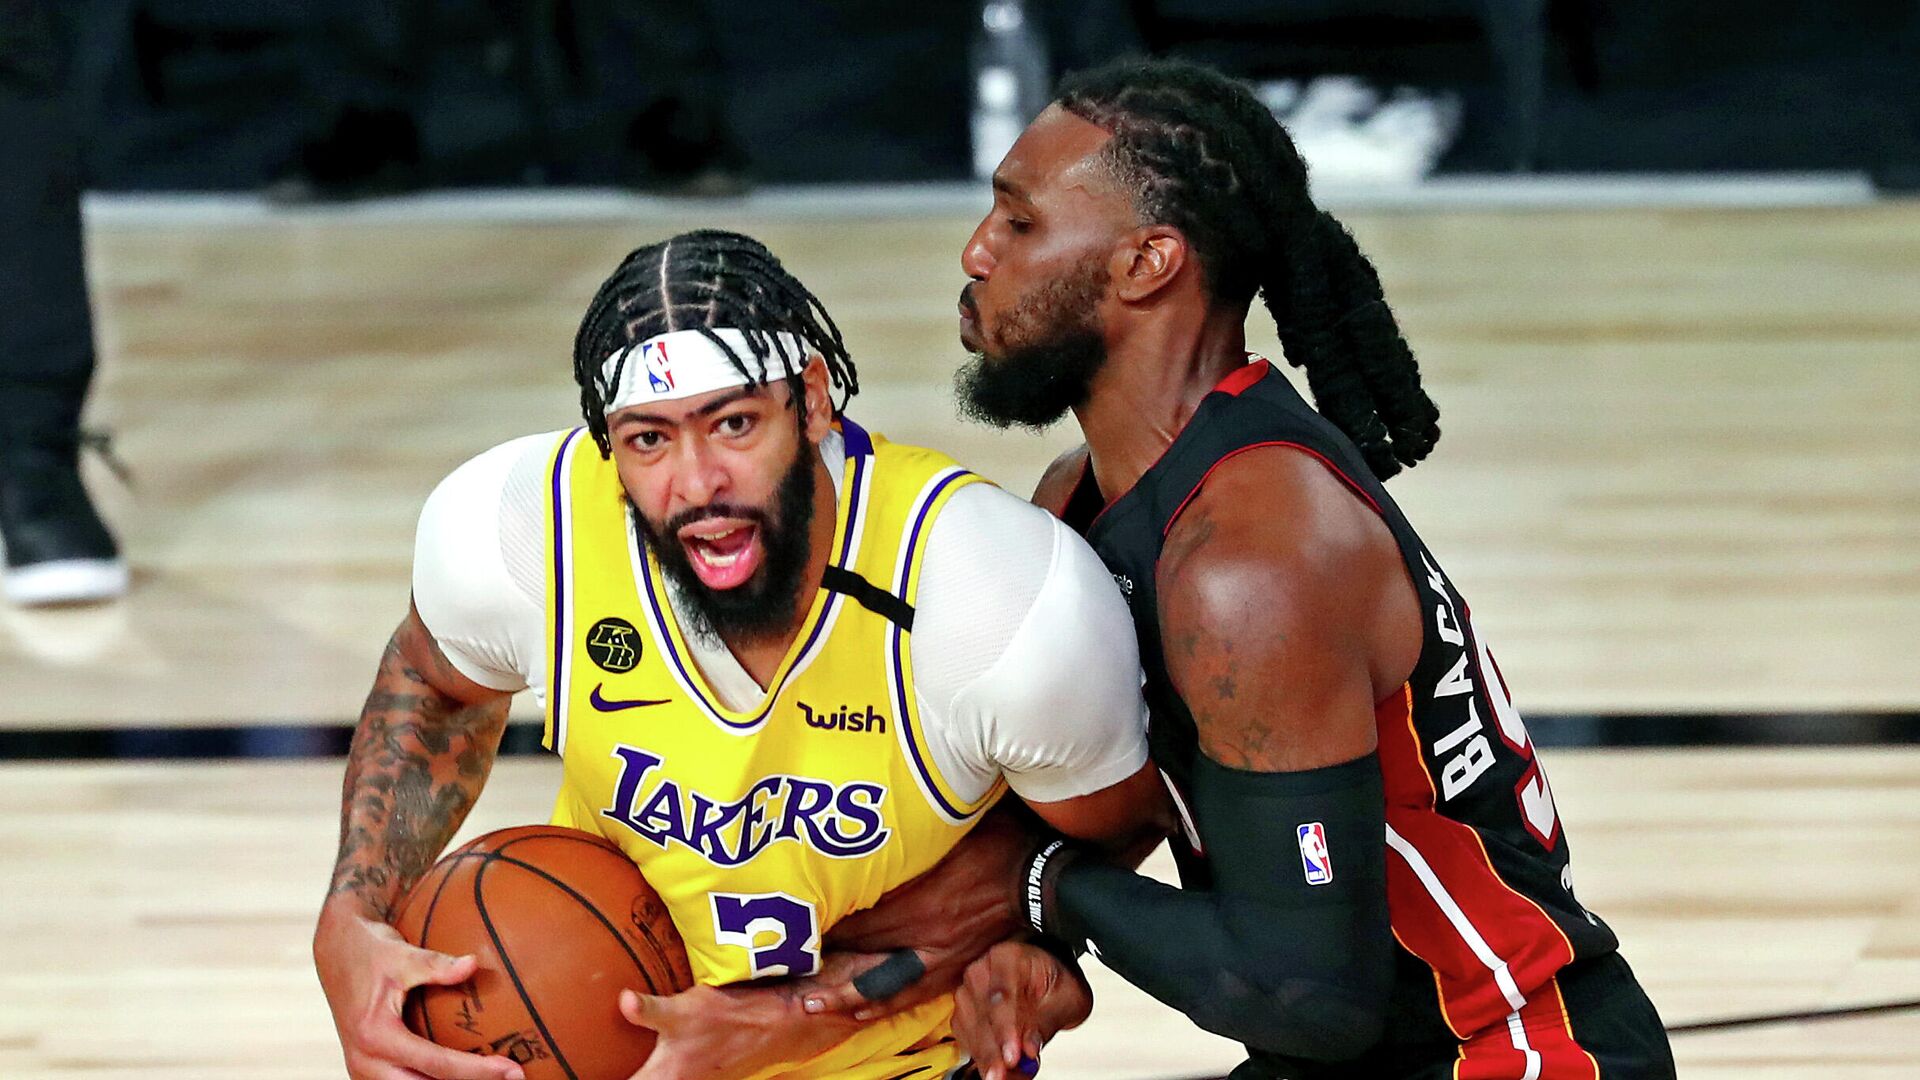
1313, 854
659, 374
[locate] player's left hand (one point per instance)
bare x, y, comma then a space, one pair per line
717, 1033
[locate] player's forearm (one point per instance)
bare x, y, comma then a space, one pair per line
1263, 977
417, 763
963, 904
1286, 955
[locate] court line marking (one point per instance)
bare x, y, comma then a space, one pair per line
1839, 1012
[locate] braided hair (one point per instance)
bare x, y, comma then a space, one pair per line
703, 280
1200, 153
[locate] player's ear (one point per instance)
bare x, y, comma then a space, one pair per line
1146, 260
819, 399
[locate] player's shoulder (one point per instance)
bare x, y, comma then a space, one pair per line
1283, 505
1062, 475
1035, 555
1277, 530
501, 458
485, 484
982, 510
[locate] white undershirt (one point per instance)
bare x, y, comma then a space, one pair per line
1024, 659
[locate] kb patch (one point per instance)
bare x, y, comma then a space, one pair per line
614, 645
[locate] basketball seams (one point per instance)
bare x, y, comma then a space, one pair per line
506, 964
500, 855
426, 928
486, 851
452, 862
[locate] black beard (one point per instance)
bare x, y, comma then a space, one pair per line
1032, 387
765, 605
1053, 349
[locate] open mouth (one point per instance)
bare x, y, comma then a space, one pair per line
723, 553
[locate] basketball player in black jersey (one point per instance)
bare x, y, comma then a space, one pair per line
1376, 881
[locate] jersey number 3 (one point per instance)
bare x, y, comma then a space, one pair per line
780, 933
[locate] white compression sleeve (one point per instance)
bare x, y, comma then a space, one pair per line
477, 580
1024, 654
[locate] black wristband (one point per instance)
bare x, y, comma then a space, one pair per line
1036, 880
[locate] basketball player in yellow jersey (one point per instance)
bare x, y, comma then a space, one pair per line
787, 665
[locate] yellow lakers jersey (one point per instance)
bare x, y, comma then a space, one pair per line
760, 828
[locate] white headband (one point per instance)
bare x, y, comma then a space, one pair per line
683, 363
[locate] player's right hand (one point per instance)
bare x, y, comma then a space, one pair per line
948, 916
1011, 1002
366, 969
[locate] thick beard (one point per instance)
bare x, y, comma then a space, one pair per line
1032, 387
765, 605
1054, 350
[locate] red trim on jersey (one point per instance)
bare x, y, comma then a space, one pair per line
1543, 1029
1245, 375
1233, 384
1322, 458
1555, 1038
1514, 928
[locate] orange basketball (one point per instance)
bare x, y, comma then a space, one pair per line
561, 921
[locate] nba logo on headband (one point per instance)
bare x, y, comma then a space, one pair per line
653, 356
704, 359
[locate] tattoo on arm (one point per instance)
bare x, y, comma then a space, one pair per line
1210, 656
1232, 733
1270, 589
416, 765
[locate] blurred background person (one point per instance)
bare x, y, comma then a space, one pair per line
434, 93
57, 548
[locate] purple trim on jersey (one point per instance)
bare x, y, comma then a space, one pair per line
857, 468
692, 681
556, 686
859, 443
899, 666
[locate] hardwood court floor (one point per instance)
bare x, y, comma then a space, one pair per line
1679, 473
155, 920
1679, 468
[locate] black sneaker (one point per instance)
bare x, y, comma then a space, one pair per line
58, 549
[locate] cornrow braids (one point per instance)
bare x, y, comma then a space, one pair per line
1200, 153
703, 280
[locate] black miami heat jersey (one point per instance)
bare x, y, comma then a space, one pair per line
1477, 869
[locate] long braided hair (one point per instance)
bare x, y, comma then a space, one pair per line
1200, 153
703, 280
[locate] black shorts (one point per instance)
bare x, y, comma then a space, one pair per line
1614, 1020
1594, 1020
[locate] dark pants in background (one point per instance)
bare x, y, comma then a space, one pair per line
46, 328
406, 94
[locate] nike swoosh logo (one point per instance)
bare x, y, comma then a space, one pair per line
604, 705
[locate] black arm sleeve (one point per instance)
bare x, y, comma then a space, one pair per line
1267, 958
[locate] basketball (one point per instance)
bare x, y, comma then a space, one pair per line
561, 921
